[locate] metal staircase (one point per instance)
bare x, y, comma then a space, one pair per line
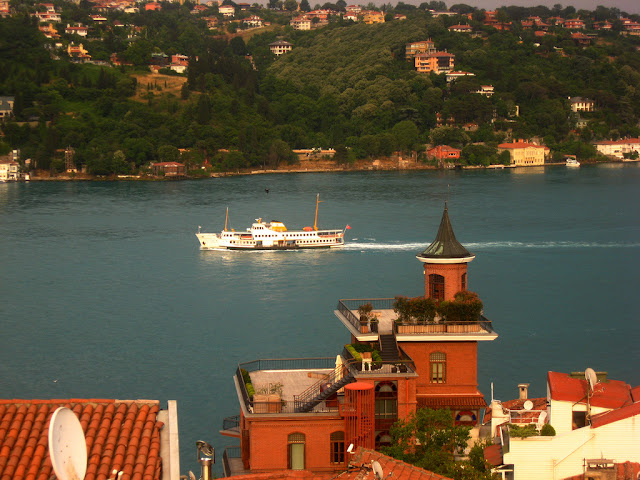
389, 348
320, 391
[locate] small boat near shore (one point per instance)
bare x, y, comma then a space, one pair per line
272, 236
571, 161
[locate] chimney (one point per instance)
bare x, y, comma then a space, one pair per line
522, 388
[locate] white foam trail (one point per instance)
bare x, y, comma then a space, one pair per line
489, 245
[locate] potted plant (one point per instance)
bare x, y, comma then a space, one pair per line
466, 307
365, 315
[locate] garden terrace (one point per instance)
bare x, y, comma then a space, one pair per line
283, 386
347, 313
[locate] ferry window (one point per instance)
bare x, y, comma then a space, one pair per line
436, 286
437, 366
295, 451
337, 447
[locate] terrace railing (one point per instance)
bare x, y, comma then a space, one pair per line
377, 368
230, 452
347, 306
231, 423
408, 328
279, 406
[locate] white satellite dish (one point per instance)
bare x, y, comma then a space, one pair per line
67, 446
528, 405
592, 378
377, 470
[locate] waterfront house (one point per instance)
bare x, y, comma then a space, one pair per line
300, 414
618, 148
134, 437
438, 62
9, 169
524, 153
596, 421
169, 169
444, 152
280, 47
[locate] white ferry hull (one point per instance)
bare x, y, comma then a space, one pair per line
288, 241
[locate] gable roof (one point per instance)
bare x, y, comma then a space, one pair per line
445, 245
121, 435
610, 394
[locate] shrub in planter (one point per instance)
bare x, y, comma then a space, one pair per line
465, 307
365, 312
547, 431
417, 309
354, 353
523, 432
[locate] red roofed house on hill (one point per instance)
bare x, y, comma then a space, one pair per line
300, 414
127, 436
594, 421
444, 152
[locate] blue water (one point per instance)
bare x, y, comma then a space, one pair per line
104, 292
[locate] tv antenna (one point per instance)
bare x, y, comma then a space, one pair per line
67, 445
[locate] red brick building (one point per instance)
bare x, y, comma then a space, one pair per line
302, 414
444, 152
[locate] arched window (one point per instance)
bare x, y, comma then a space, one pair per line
463, 282
438, 367
436, 286
295, 452
337, 447
386, 401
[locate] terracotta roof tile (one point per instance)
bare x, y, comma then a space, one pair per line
107, 424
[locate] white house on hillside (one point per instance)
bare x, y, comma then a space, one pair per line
593, 420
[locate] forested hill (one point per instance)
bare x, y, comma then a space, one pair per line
345, 85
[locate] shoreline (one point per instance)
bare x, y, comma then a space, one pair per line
299, 168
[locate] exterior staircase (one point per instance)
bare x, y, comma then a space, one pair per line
323, 389
389, 348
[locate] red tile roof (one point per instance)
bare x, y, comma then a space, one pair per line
612, 394
624, 471
360, 469
121, 435
518, 404
615, 415
520, 144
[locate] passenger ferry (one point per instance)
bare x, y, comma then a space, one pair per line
272, 236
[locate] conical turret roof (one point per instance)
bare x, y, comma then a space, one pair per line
445, 245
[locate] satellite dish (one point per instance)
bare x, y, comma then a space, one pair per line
377, 470
67, 446
528, 405
592, 378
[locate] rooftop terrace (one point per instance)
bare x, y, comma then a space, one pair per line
347, 313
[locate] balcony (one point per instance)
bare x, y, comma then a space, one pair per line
232, 461
347, 313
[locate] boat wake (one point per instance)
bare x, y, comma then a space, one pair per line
361, 246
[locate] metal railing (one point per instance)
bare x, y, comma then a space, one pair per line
347, 306
280, 406
231, 423
340, 374
380, 367
407, 328
230, 452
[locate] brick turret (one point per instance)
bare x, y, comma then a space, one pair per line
445, 263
